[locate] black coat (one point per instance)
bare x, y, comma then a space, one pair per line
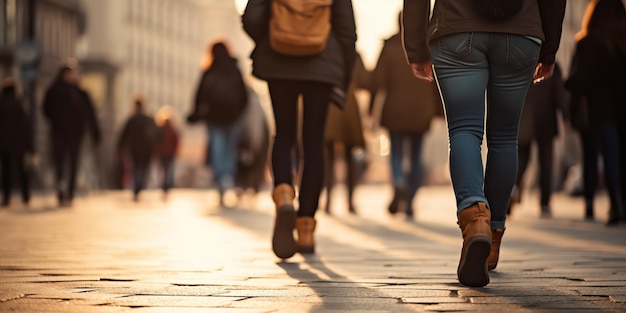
15, 129
597, 81
221, 97
70, 112
332, 66
539, 118
140, 137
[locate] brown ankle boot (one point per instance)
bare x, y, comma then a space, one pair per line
306, 228
475, 226
494, 255
283, 242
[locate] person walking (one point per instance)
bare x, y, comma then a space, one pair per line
220, 102
408, 109
167, 147
480, 48
16, 142
539, 124
596, 83
303, 48
139, 138
70, 111
344, 132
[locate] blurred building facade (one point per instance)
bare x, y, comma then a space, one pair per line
154, 48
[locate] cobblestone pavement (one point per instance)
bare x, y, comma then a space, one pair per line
108, 254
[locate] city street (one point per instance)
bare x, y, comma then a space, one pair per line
109, 254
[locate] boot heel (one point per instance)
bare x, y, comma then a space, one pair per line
473, 272
283, 243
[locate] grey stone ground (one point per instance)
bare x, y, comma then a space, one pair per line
108, 254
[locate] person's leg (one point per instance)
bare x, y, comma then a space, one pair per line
285, 107
329, 172
545, 148
316, 97
73, 153
139, 177
284, 95
622, 146
231, 154
351, 176
22, 171
590, 169
512, 62
58, 157
218, 154
6, 178
462, 72
523, 154
396, 158
417, 171
608, 138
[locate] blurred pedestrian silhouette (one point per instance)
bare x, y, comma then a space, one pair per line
167, 147
303, 49
220, 101
539, 124
598, 99
253, 146
408, 109
69, 111
139, 139
482, 49
16, 142
344, 135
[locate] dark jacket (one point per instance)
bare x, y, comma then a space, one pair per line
345, 125
597, 82
70, 110
168, 142
537, 18
332, 66
539, 118
410, 104
15, 128
140, 137
221, 97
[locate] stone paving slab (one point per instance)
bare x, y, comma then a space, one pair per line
109, 254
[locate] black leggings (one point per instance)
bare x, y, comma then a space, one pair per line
544, 145
316, 97
14, 164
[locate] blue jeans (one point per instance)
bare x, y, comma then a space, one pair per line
167, 164
602, 139
413, 179
467, 64
140, 173
224, 144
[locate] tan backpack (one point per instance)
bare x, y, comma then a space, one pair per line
300, 27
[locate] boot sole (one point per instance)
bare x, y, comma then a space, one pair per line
283, 243
473, 272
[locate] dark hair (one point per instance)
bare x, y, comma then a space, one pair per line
63, 71
8, 86
219, 49
608, 19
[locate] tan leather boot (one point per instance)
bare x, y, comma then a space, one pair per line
494, 255
306, 240
283, 243
475, 225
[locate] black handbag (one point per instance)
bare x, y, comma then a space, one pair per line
498, 10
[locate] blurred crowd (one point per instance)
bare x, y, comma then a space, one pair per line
590, 101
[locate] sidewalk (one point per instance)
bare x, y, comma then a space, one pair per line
108, 254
